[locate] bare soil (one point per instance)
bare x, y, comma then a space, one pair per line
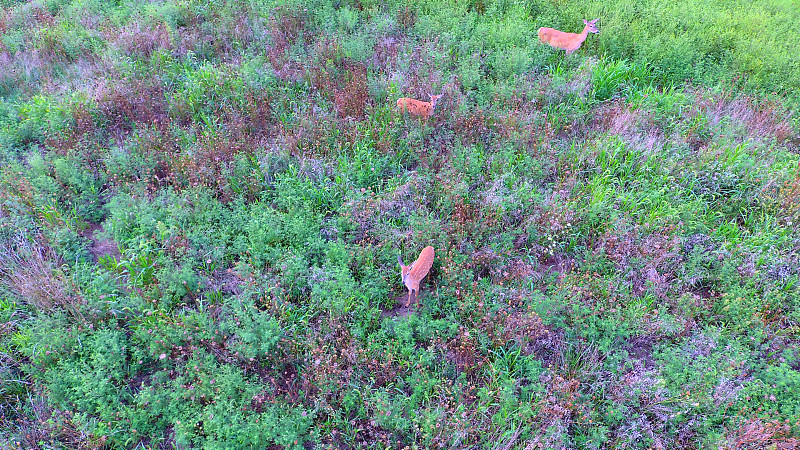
100, 247
400, 309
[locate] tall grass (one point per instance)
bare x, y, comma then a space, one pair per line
745, 43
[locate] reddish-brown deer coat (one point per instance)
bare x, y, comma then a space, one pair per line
413, 274
418, 107
567, 41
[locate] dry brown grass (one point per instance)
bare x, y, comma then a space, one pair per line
760, 120
352, 99
329, 58
52, 428
385, 53
789, 198
285, 27
636, 127
656, 248
757, 434
141, 40
212, 165
124, 105
31, 272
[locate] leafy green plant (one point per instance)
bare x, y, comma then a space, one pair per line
619, 78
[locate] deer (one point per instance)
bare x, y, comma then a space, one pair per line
418, 107
413, 274
567, 41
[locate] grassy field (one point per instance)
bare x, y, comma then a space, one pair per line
202, 205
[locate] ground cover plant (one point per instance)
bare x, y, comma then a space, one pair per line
202, 206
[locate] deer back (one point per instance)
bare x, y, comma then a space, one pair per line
422, 265
559, 39
415, 107
564, 40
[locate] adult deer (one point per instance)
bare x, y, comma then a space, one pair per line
414, 273
418, 107
567, 41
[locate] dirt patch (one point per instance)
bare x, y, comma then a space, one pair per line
400, 309
641, 348
136, 383
557, 265
287, 385
706, 292
100, 246
547, 347
226, 281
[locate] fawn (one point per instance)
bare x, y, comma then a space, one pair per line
418, 107
567, 41
414, 273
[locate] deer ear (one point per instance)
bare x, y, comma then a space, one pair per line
585, 22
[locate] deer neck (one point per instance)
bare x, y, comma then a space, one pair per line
584, 33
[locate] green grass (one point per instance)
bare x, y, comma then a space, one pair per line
746, 43
202, 205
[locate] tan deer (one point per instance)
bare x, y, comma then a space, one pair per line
418, 107
414, 273
567, 41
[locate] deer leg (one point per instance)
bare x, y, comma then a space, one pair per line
408, 301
